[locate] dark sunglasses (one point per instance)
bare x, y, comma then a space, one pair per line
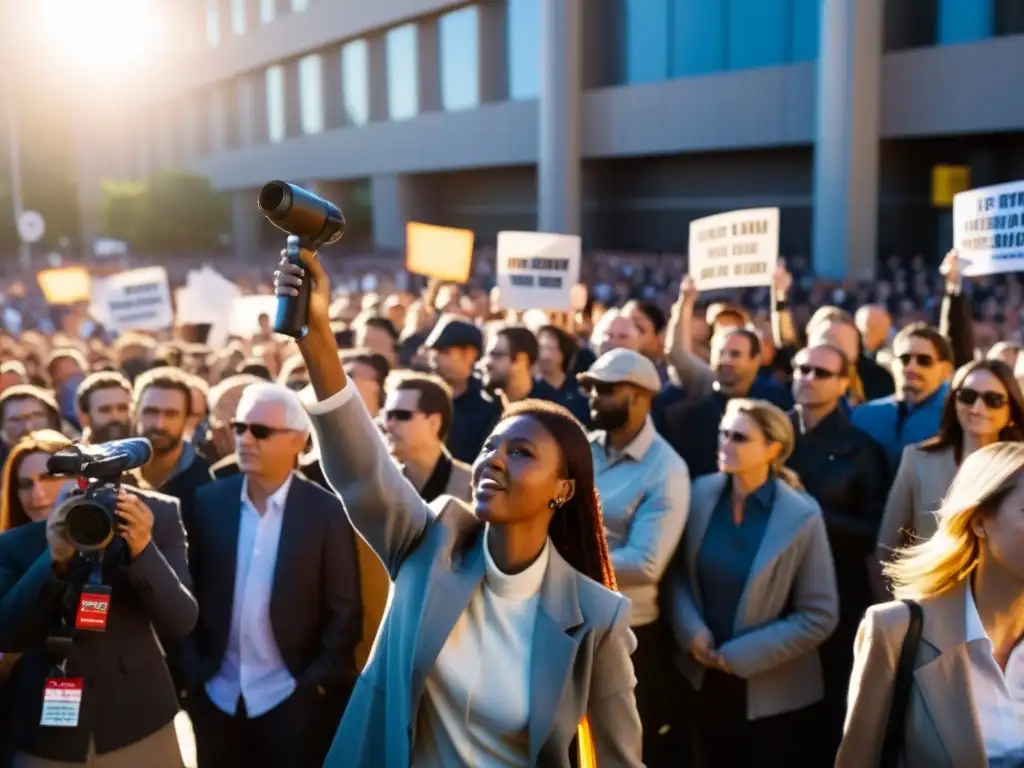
925, 361
814, 372
992, 400
399, 414
732, 435
259, 431
601, 388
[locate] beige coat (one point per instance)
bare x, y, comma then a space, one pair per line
916, 494
942, 729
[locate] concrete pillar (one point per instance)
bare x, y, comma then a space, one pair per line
245, 225
428, 69
190, 109
252, 108
333, 88
378, 78
558, 174
227, 95
215, 120
492, 51
165, 139
846, 145
143, 145
292, 99
396, 199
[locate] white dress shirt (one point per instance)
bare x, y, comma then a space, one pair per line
252, 666
998, 696
477, 703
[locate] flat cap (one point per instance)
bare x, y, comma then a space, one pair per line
624, 366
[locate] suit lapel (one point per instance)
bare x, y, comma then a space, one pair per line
945, 682
447, 597
712, 487
226, 519
554, 648
289, 546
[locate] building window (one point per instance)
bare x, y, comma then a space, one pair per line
276, 124
964, 21
355, 81
311, 98
758, 33
646, 33
268, 11
458, 34
523, 49
212, 22
298, 6
238, 16
698, 39
403, 91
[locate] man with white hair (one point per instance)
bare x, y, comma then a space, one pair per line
271, 662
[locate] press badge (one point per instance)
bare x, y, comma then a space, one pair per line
62, 701
93, 606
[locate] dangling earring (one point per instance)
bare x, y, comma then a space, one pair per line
555, 504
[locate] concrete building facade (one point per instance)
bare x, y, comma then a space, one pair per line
621, 120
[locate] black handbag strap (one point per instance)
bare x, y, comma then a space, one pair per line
895, 729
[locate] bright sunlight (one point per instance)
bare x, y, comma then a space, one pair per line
102, 35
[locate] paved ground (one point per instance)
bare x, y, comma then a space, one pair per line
185, 740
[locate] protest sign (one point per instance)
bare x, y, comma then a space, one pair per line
444, 253
988, 229
139, 299
537, 270
734, 250
246, 311
207, 299
68, 285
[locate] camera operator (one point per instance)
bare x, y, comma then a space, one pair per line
106, 698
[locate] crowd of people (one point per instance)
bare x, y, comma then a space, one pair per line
650, 531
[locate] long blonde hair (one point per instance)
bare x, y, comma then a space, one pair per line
777, 428
938, 564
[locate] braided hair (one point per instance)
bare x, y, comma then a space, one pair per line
577, 527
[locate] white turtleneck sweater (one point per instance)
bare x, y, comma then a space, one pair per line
475, 708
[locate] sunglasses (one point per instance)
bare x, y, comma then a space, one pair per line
399, 414
992, 400
601, 388
805, 371
731, 435
259, 431
925, 361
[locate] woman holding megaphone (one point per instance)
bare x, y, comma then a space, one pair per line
505, 642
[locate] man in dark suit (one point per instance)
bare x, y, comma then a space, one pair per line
273, 556
128, 703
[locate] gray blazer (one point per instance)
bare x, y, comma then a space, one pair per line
434, 557
789, 606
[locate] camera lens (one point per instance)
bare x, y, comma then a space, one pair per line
88, 525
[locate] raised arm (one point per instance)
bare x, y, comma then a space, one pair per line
382, 505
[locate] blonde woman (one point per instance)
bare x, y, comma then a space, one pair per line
964, 707
753, 596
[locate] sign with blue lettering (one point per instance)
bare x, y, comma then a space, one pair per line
537, 270
988, 229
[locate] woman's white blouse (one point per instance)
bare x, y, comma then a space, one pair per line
998, 696
476, 705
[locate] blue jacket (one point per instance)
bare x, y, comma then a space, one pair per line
881, 420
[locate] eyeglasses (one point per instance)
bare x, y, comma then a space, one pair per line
925, 361
399, 414
992, 400
814, 372
731, 435
259, 431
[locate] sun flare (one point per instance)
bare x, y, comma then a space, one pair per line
100, 34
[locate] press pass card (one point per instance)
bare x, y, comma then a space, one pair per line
62, 701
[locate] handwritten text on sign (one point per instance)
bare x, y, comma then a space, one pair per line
988, 229
138, 300
735, 249
537, 270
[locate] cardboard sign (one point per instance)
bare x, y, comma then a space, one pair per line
139, 299
69, 285
246, 311
207, 299
445, 253
988, 229
738, 249
537, 270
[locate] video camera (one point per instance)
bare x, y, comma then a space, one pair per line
90, 513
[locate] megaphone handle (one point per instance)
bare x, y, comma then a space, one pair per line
293, 311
